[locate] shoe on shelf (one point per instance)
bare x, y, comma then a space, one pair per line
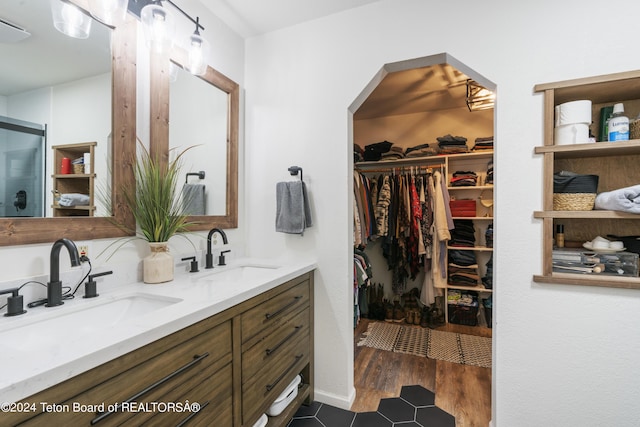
424, 317
398, 313
388, 312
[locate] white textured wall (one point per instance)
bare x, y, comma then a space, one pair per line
564, 355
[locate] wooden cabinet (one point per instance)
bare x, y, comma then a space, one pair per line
616, 164
79, 180
233, 365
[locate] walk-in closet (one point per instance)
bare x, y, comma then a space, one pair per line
423, 150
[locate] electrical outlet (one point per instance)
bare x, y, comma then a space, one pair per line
83, 250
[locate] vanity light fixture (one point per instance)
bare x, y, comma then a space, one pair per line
479, 97
70, 20
159, 27
198, 51
109, 11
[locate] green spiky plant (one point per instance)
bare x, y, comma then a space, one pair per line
154, 201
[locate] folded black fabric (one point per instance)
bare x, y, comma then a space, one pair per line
569, 182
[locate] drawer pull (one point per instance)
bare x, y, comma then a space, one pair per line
275, 383
158, 383
294, 302
193, 414
295, 331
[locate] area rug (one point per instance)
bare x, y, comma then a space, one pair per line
448, 346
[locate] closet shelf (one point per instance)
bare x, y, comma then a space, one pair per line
489, 218
471, 187
589, 280
470, 288
470, 248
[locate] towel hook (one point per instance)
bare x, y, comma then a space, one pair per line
293, 170
200, 175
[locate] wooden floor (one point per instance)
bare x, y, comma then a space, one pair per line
461, 390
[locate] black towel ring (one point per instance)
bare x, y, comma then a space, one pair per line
293, 170
200, 175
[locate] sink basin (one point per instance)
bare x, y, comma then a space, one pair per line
82, 319
241, 272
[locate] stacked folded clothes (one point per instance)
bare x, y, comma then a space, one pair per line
358, 153
460, 275
464, 233
422, 150
466, 298
489, 179
395, 153
373, 152
464, 179
464, 258
484, 143
452, 144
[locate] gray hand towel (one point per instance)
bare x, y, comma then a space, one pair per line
625, 200
292, 210
193, 199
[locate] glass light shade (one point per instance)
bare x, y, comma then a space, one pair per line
70, 20
109, 11
198, 55
159, 27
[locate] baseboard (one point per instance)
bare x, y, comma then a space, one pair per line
343, 402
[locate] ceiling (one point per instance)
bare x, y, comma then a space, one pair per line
253, 17
420, 88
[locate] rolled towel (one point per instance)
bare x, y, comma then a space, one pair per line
624, 199
292, 207
73, 199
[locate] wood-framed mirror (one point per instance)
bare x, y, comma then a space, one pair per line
215, 141
121, 149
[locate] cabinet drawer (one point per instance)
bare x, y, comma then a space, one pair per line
274, 344
272, 312
259, 392
174, 366
212, 392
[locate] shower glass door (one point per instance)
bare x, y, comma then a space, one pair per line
22, 162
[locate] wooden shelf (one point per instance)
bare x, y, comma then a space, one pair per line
82, 183
470, 288
593, 149
615, 163
595, 214
469, 187
474, 218
468, 248
589, 280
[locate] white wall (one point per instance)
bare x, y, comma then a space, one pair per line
564, 355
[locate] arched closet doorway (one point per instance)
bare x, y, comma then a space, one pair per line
420, 121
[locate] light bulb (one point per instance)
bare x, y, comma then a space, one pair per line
109, 11
159, 27
70, 20
198, 52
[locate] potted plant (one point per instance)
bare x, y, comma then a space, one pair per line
156, 204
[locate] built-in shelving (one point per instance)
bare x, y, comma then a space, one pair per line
616, 164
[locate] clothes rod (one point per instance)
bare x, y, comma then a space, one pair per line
400, 169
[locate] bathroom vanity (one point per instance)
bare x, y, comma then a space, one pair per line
237, 354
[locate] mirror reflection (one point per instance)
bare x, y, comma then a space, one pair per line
63, 86
198, 115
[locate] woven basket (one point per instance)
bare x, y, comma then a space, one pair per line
78, 168
634, 129
573, 201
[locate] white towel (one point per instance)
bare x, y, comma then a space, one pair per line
625, 199
292, 210
73, 199
193, 199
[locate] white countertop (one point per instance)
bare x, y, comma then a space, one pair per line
33, 358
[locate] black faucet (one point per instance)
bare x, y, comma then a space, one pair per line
209, 257
54, 287
15, 304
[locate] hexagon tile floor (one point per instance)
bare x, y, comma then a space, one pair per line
414, 408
